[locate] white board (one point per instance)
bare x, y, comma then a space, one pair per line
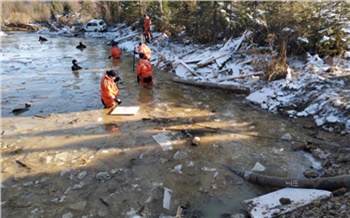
125, 110
269, 205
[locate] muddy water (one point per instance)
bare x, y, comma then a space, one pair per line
67, 157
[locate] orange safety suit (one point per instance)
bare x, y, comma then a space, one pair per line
116, 52
144, 72
147, 28
108, 90
143, 48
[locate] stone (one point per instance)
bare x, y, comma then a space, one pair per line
310, 174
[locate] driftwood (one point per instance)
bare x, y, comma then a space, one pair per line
247, 62
240, 77
192, 61
179, 212
190, 52
253, 51
210, 61
188, 67
235, 89
189, 129
126, 37
224, 70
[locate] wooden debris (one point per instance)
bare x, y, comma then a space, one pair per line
126, 37
188, 67
190, 52
206, 62
104, 202
179, 212
240, 77
233, 88
22, 164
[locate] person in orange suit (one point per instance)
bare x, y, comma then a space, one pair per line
144, 71
143, 48
147, 28
115, 51
109, 90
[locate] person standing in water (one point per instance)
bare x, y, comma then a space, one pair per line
143, 48
144, 71
109, 90
75, 66
115, 51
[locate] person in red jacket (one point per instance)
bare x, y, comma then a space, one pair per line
115, 51
144, 71
143, 48
147, 28
109, 90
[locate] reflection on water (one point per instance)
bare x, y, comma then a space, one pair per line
99, 164
146, 95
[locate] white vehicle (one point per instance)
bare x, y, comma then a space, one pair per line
95, 26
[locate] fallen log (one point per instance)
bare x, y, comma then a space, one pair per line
240, 77
325, 183
235, 89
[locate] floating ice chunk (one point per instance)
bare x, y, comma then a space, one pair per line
177, 168
312, 109
207, 169
287, 137
82, 175
164, 141
320, 121
67, 215
258, 167
167, 198
260, 96
332, 119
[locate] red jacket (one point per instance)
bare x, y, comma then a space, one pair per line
108, 90
143, 48
116, 52
144, 71
147, 23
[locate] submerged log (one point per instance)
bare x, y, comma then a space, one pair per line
325, 183
235, 89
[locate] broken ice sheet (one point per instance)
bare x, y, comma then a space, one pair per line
258, 167
164, 141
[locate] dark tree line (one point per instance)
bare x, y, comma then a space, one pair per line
299, 26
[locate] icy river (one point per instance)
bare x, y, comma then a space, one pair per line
66, 156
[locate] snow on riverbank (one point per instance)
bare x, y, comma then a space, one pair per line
311, 88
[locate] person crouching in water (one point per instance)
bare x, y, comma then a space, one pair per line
115, 51
75, 65
109, 89
144, 71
